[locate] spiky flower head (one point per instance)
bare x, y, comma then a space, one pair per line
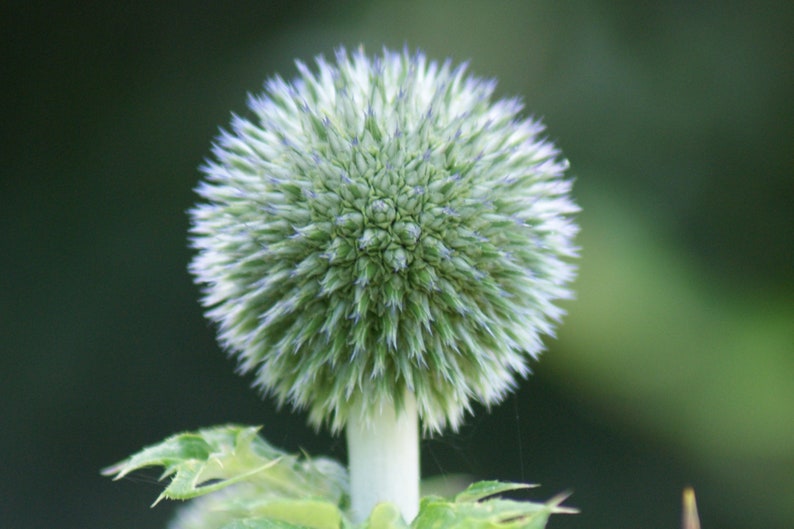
381, 227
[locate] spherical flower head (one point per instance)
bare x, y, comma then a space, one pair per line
382, 227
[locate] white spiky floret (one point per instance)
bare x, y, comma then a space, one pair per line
381, 227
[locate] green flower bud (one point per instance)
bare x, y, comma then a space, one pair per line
381, 227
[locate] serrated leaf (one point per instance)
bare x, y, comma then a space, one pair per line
200, 462
483, 489
213, 458
465, 512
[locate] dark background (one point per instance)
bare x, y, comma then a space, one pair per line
675, 365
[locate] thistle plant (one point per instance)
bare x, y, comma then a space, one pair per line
382, 243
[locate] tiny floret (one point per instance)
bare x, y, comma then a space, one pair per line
383, 226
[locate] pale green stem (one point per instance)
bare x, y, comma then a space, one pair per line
383, 455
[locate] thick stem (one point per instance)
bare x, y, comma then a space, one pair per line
383, 455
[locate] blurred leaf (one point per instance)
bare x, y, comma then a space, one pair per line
254, 505
656, 342
260, 523
314, 514
386, 516
446, 485
690, 519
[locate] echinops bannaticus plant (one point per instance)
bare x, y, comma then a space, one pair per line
382, 243
380, 227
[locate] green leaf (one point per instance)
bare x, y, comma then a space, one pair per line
385, 516
213, 458
252, 505
467, 512
259, 523
314, 514
276, 490
483, 489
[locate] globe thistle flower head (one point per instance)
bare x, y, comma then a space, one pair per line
381, 227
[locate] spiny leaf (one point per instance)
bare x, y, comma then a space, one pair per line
213, 458
483, 489
466, 512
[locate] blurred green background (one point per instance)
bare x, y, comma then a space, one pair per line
675, 365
